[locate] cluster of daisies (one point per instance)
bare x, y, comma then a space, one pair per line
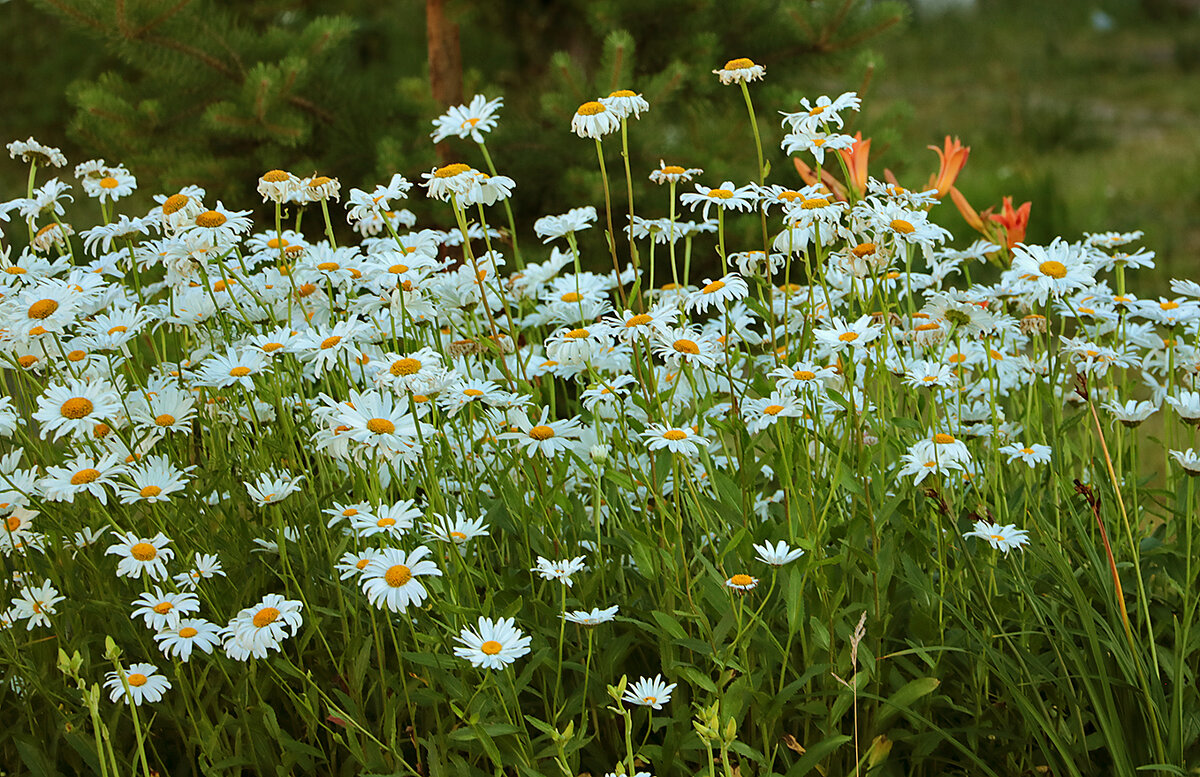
133, 344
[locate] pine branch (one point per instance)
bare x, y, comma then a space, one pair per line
162, 17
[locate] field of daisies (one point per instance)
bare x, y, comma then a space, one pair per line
766, 477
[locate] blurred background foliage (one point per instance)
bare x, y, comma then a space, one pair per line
1089, 108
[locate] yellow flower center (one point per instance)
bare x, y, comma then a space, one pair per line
239, 372
591, 108
541, 432
318, 181
848, 337
449, 171
43, 308
397, 575
641, 319
773, 409
276, 176
674, 435
265, 617
672, 170
405, 366
814, 203
941, 438
398, 268
804, 375
741, 579
137, 679
330, 342
150, 491
686, 346
457, 535
864, 249
380, 426
328, 266
1169, 305
926, 327
714, 286
903, 227
108, 182
739, 64
76, 408
471, 392
174, 204
15, 270
143, 551
166, 419
13, 523
210, 219
187, 632
83, 476
27, 361
162, 608
720, 194
622, 93
1027, 451
491, 647
1054, 269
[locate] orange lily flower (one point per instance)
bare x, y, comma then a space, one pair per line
953, 156
856, 162
1013, 221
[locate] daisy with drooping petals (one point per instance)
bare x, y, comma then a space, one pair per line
141, 556
649, 692
1189, 460
593, 618
595, 120
1003, 538
137, 683
1132, 413
666, 173
625, 103
33, 152
390, 579
741, 70
559, 570
495, 644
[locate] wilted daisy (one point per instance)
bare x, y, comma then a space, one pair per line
777, 555
625, 103
666, 173
649, 692
1003, 538
494, 645
162, 610
188, 634
278, 186
137, 682
141, 556
594, 120
390, 579
593, 618
559, 570
31, 151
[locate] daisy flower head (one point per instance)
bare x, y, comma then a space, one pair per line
141, 556
685, 346
273, 486
204, 567
35, 604
137, 683
1053, 270
1003, 538
161, 610
458, 530
815, 142
82, 474
1189, 460
493, 645
468, 121
649, 692
1030, 454
676, 439
594, 119
390, 579
76, 407
392, 520
666, 173
1132, 412
574, 220
822, 111
739, 71
109, 184
278, 186
927, 374
1187, 405
719, 293
763, 412
842, 334
777, 555
546, 437
625, 103
742, 582
185, 636
33, 152
256, 630
559, 570
593, 618
452, 180
726, 196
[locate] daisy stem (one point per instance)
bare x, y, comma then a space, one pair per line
328, 225
562, 629
670, 241
762, 173
612, 237
633, 253
512, 224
